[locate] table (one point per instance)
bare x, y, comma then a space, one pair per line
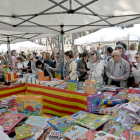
58, 101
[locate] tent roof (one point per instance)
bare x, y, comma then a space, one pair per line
47, 16
27, 45
15, 36
107, 35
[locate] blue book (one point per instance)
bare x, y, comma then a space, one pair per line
78, 115
75, 132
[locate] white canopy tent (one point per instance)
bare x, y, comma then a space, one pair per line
112, 34
23, 46
135, 30
59, 17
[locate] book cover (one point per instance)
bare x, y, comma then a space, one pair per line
92, 121
45, 135
88, 136
24, 131
51, 119
105, 136
79, 115
110, 93
37, 121
112, 127
62, 124
75, 132
55, 135
10, 120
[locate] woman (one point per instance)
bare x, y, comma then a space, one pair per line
69, 67
4, 61
33, 64
44, 67
21, 65
28, 62
131, 53
96, 68
82, 66
48, 60
57, 70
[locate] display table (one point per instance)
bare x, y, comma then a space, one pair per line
58, 101
15, 90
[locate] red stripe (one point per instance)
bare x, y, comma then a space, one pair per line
56, 89
58, 110
12, 93
14, 87
9, 77
57, 96
63, 105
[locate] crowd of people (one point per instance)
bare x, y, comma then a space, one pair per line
120, 67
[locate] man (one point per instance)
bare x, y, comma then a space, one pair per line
109, 53
121, 49
118, 70
136, 70
33, 64
14, 56
125, 48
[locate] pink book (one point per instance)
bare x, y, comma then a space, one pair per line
110, 93
10, 120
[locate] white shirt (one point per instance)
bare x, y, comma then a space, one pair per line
131, 55
21, 66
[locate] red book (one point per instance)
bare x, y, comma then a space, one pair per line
10, 120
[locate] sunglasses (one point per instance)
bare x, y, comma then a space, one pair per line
31, 59
92, 54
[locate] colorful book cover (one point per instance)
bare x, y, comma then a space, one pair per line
55, 135
45, 135
92, 121
78, 115
128, 120
51, 119
75, 132
13, 109
105, 136
62, 124
94, 102
37, 121
88, 136
112, 127
10, 120
137, 128
24, 131
37, 134
109, 93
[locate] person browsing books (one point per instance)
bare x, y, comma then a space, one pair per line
117, 70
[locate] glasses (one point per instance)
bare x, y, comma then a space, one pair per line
92, 54
31, 59
114, 56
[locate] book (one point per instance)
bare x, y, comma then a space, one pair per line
37, 121
92, 121
78, 115
37, 134
128, 120
75, 132
10, 120
88, 136
55, 135
45, 135
62, 124
123, 95
24, 131
105, 136
109, 93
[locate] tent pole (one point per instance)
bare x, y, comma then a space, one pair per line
60, 56
9, 50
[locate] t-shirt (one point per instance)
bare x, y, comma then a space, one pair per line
14, 61
4, 62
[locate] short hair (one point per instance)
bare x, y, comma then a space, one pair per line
132, 46
124, 45
20, 59
119, 42
138, 53
85, 53
39, 62
32, 56
119, 47
80, 55
47, 54
118, 52
13, 51
57, 53
109, 49
69, 53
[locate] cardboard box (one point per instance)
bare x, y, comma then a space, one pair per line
32, 105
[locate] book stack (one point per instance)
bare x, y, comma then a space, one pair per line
2, 109
110, 93
9, 101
